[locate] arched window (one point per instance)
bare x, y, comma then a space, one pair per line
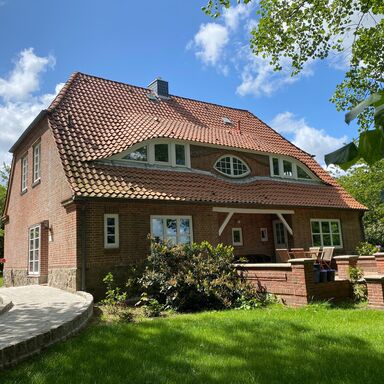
232, 166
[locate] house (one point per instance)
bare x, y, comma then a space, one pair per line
109, 163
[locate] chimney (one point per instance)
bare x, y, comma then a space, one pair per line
160, 88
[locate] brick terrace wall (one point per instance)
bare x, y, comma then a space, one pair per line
41, 203
204, 158
367, 264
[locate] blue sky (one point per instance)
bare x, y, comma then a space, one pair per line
44, 41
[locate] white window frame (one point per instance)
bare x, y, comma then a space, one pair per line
321, 233
295, 164
35, 251
173, 217
116, 244
232, 168
237, 243
24, 173
36, 163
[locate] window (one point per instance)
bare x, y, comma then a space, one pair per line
36, 162
288, 169
174, 229
180, 154
326, 233
140, 154
34, 250
111, 230
237, 236
24, 173
264, 234
161, 153
232, 166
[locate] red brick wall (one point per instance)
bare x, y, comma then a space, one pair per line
40, 203
204, 158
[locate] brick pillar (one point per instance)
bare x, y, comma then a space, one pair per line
302, 280
375, 286
343, 264
379, 257
44, 234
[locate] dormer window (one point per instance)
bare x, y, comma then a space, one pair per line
287, 168
232, 166
140, 154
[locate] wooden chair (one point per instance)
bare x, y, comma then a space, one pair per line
315, 252
283, 255
327, 256
298, 253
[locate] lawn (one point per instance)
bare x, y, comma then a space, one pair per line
276, 345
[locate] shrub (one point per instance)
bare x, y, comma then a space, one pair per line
195, 277
151, 307
366, 249
114, 297
359, 288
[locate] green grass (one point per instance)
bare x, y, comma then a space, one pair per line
277, 345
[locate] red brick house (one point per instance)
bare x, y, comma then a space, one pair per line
109, 163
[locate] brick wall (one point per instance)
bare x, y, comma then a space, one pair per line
204, 158
41, 203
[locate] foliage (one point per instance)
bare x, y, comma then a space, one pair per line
151, 307
194, 277
359, 288
365, 185
114, 297
366, 249
4, 177
300, 31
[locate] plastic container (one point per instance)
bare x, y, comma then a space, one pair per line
323, 276
316, 275
331, 274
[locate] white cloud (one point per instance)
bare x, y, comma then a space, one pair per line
233, 15
19, 105
314, 141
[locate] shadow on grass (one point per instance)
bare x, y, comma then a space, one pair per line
238, 348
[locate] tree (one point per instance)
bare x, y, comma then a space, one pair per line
304, 30
4, 176
366, 184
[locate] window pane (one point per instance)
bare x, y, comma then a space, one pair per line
111, 239
110, 230
315, 227
316, 240
184, 227
301, 174
325, 227
180, 154
224, 165
184, 240
157, 229
276, 170
336, 240
110, 221
327, 240
287, 168
171, 227
161, 153
236, 236
231, 166
239, 168
335, 227
139, 155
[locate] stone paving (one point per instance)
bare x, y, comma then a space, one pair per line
41, 310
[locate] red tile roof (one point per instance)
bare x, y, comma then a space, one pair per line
94, 118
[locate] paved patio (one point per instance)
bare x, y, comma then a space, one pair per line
40, 316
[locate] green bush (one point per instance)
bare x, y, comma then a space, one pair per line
366, 249
114, 297
195, 277
151, 307
359, 288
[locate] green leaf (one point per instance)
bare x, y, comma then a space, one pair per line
375, 98
344, 157
371, 146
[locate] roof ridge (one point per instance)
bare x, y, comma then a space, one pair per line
60, 96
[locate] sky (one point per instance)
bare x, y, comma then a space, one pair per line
43, 41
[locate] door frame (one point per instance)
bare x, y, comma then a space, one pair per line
277, 246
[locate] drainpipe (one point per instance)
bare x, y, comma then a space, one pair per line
83, 243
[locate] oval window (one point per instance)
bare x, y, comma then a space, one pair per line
232, 166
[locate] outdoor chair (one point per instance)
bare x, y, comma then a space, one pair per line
315, 252
327, 256
283, 255
298, 253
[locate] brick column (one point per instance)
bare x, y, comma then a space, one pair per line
343, 264
302, 280
375, 286
379, 257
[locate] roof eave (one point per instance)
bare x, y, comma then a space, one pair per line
31, 126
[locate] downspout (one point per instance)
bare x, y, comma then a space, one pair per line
83, 244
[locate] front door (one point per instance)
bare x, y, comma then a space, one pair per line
280, 235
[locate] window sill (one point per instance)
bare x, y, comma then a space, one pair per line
112, 249
23, 192
35, 183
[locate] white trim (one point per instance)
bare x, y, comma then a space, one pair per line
321, 232
252, 210
116, 244
34, 273
295, 163
225, 222
278, 245
286, 225
36, 169
239, 243
177, 218
24, 173
264, 234
232, 175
